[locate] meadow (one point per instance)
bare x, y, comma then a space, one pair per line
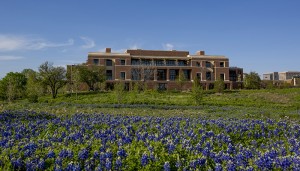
236, 130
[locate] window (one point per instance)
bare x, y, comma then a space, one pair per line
222, 77
122, 61
146, 62
208, 75
161, 74
222, 64
187, 74
108, 62
135, 74
199, 76
108, 74
162, 86
135, 62
172, 73
198, 64
207, 64
159, 63
182, 63
148, 74
171, 63
95, 61
122, 75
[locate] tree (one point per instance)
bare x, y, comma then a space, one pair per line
91, 75
34, 89
252, 81
143, 73
52, 77
197, 91
13, 86
74, 80
119, 91
219, 85
181, 80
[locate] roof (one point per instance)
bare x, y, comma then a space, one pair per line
207, 56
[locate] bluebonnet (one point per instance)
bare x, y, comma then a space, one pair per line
41, 164
167, 166
144, 159
83, 154
108, 164
118, 163
51, 154
218, 167
122, 153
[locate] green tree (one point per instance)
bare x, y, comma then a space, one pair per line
181, 80
52, 77
34, 88
197, 91
119, 91
134, 91
91, 75
219, 85
13, 86
74, 79
252, 81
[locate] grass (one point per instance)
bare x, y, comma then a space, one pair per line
277, 103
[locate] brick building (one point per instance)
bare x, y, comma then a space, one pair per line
160, 69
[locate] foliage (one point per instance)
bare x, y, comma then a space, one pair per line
197, 91
13, 86
74, 79
53, 77
43, 141
90, 75
119, 91
181, 80
252, 81
219, 86
34, 88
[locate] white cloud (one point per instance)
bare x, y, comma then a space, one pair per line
168, 46
41, 44
10, 58
12, 42
135, 46
89, 43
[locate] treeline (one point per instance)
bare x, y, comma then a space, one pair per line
50, 79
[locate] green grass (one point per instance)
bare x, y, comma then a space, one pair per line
277, 103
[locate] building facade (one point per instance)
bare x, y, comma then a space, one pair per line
160, 69
288, 75
271, 76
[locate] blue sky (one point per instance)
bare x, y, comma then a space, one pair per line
258, 35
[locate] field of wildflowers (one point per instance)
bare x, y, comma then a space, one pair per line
40, 141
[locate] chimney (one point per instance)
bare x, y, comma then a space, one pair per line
201, 52
108, 50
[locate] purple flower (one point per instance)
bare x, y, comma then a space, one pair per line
83, 154
118, 163
167, 166
51, 154
108, 164
144, 159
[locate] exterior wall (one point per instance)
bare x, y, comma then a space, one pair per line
268, 76
200, 64
287, 75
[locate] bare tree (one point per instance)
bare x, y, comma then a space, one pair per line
143, 72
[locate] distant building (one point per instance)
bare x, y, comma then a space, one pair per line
271, 76
288, 75
296, 80
160, 69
